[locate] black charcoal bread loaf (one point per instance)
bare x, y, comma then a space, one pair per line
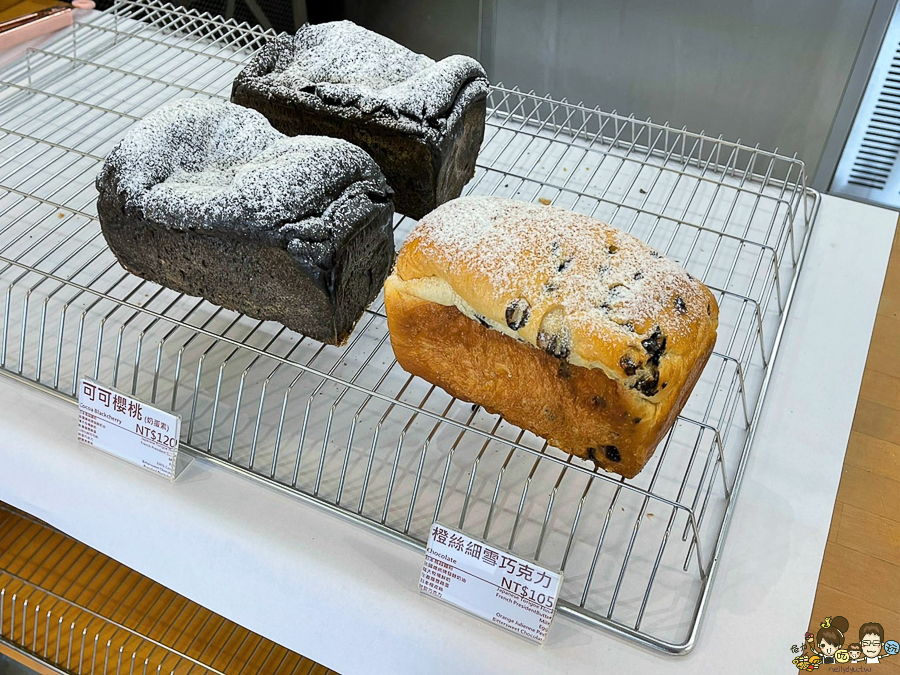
421, 120
206, 198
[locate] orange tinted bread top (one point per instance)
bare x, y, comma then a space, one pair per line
565, 283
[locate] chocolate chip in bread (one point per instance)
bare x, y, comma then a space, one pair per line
584, 336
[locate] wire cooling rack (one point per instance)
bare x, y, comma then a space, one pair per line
80, 613
68, 635
347, 428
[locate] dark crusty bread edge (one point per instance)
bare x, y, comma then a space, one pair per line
425, 170
257, 276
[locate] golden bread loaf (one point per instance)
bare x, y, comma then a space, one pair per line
560, 323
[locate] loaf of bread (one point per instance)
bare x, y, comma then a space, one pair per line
560, 323
208, 199
422, 121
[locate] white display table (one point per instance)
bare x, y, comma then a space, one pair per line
348, 598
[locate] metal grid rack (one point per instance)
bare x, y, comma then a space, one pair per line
79, 612
346, 428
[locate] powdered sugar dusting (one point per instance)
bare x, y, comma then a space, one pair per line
200, 164
341, 52
578, 276
347, 65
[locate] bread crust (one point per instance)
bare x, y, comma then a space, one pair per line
597, 389
579, 410
208, 199
426, 142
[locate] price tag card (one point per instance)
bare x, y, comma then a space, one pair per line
506, 590
129, 429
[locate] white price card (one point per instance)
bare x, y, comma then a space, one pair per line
508, 591
129, 429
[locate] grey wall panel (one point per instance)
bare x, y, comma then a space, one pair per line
766, 71
433, 27
869, 166
853, 92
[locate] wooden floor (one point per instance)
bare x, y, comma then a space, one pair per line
860, 576
74, 586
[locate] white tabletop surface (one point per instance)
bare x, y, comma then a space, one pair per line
348, 598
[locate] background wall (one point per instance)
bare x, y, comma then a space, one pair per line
771, 72
429, 26
765, 71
